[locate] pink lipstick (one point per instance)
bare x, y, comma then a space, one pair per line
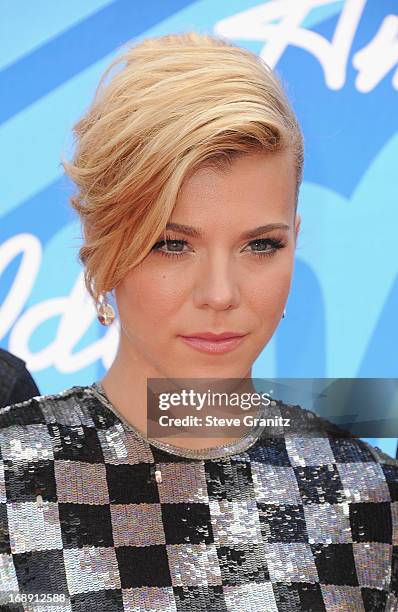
214, 343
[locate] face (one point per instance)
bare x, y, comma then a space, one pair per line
219, 280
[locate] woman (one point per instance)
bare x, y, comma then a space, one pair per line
188, 166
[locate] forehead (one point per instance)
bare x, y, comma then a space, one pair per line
254, 186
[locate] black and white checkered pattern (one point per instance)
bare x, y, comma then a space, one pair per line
288, 524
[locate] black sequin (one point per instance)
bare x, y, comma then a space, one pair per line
269, 525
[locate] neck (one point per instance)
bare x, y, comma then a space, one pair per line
125, 385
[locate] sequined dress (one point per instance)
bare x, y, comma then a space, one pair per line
265, 524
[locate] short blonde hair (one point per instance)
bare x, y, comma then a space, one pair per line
180, 101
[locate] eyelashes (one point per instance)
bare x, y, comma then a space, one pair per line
274, 243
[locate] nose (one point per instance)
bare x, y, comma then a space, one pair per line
216, 283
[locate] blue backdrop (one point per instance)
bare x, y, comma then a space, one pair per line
338, 61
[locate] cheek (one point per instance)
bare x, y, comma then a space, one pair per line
149, 297
269, 291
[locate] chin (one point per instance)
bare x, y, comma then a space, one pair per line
213, 371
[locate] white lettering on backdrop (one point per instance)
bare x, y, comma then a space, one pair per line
75, 311
373, 62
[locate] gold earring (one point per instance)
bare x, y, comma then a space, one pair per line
106, 314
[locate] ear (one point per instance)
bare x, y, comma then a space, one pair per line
298, 223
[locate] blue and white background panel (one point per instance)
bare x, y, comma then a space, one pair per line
339, 63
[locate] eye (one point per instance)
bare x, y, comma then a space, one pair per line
274, 244
170, 243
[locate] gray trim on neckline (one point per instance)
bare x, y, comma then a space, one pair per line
216, 452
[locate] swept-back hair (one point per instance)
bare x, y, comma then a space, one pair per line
173, 103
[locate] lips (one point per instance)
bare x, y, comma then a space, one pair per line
220, 345
215, 337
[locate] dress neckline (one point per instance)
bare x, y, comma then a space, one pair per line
215, 452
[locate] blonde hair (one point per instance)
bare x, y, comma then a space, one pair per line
179, 101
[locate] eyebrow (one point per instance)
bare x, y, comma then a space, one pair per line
253, 233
